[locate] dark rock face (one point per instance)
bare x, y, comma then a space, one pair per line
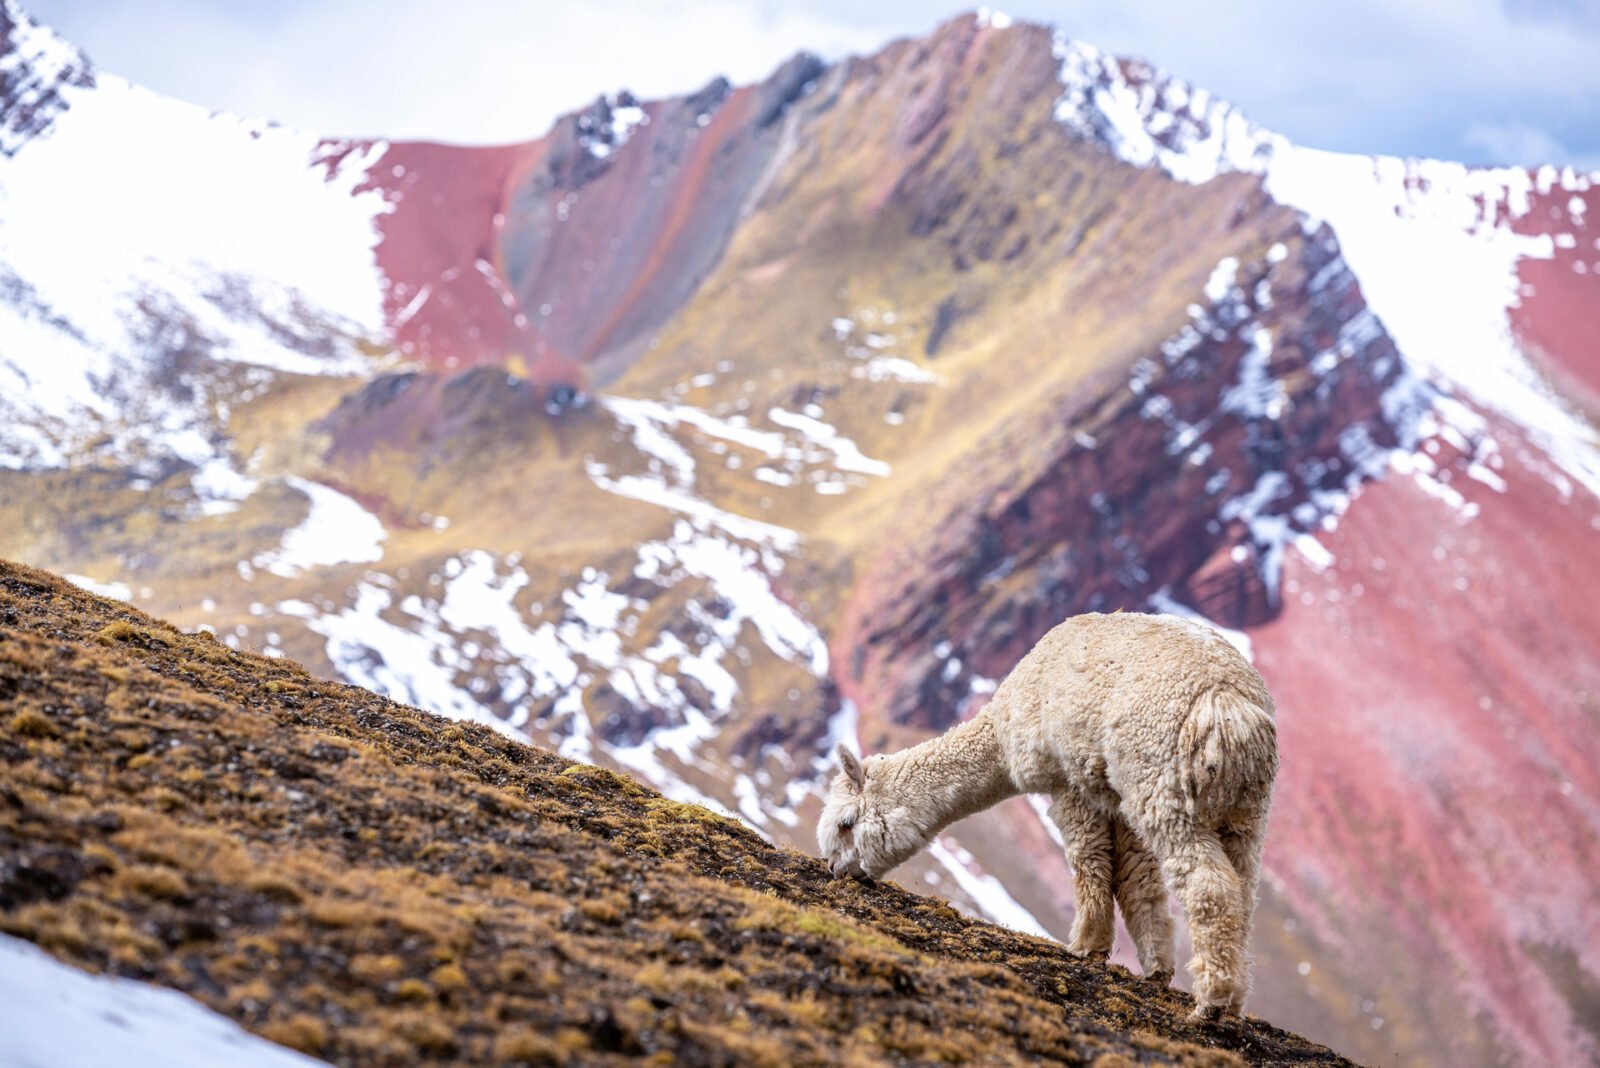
788, 84
1228, 586
1188, 476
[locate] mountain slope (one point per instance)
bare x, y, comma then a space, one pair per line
376, 885
698, 435
131, 354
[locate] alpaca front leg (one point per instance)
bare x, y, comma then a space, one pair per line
1213, 900
1087, 833
1143, 898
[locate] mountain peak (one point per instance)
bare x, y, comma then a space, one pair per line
35, 63
1146, 116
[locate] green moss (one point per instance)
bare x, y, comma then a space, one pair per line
605, 779
133, 634
667, 811
31, 723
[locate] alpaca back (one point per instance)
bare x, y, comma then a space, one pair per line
1108, 701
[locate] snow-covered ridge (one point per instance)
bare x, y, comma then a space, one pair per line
1146, 118
34, 64
1434, 248
158, 259
1434, 244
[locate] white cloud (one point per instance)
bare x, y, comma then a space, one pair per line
466, 70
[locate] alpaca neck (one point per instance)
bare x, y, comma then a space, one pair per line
952, 776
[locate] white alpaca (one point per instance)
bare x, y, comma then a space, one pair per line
1155, 740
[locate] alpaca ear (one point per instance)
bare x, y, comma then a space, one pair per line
851, 766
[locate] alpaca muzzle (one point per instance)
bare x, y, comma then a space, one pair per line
847, 869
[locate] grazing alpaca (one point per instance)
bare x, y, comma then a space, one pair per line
1154, 738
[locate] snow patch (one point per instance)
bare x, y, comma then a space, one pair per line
893, 369
657, 492
847, 456
54, 1014
417, 664
1041, 808
733, 574
670, 483
636, 413
1257, 395
990, 895
844, 728
609, 126
117, 591
336, 530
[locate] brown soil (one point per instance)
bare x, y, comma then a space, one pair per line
376, 885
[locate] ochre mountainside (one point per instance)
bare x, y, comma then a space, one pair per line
377, 885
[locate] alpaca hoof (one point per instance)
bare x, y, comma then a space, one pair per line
1160, 977
1101, 955
1206, 1014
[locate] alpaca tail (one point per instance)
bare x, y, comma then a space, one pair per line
1228, 748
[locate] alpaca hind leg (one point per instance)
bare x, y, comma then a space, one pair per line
1143, 898
1242, 841
1087, 832
1213, 900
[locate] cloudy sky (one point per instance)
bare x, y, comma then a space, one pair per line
1479, 80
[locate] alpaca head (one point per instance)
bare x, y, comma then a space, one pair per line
864, 830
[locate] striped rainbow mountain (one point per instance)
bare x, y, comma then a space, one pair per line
699, 434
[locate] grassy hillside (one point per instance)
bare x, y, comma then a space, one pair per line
375, 885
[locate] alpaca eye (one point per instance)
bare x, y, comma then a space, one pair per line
847, 824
